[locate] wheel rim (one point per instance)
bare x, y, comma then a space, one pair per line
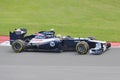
17, 46
81, 48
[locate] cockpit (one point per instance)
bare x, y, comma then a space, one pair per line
40, 36
44, 36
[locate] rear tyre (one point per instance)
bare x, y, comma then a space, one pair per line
82, 47
18, 46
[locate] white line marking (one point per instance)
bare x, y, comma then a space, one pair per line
5, 43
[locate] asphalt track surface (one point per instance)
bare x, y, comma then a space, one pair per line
59, 66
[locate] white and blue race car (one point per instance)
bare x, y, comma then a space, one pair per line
48, 41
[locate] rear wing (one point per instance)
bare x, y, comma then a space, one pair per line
17, 34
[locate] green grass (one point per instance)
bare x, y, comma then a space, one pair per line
78, 18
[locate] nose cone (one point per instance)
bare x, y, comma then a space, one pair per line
108, 45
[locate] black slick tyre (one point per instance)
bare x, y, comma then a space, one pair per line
82, 48
18, 46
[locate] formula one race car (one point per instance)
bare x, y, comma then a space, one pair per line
48, 41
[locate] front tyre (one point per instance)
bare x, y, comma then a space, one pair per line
82, 47
18, 46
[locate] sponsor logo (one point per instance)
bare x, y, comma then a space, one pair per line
52, 44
